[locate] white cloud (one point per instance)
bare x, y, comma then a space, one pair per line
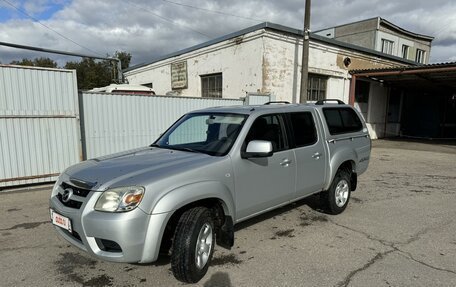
36, 6
107, 26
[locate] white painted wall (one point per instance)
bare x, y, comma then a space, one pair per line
376, 114
397, 47
330, 33
240, 64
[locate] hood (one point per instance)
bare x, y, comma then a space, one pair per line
103, 172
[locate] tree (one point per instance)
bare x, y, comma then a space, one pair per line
91, 74
37, 62
124, 58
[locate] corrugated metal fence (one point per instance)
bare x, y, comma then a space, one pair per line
46, 127
39, 126
114, 122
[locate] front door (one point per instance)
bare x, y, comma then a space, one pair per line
263, 183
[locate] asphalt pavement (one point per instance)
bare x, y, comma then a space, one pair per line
398, 230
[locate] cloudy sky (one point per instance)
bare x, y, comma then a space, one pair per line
148, 29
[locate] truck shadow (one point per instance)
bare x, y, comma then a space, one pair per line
219, 279
312, 201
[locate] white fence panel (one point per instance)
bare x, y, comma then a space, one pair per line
114, 122
257, 99
39, 127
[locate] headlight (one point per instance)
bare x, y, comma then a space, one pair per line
120, 199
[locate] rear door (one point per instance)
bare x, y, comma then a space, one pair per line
263, 183
309, 152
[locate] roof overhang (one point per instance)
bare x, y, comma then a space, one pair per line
441, 77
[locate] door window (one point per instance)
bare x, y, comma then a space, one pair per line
268, 128
304, 131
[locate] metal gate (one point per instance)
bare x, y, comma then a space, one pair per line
39, 124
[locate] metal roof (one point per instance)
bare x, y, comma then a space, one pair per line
279, 28
439, 76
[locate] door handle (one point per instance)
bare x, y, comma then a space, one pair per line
316, 155
285, 162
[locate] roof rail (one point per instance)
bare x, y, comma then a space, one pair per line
322, 102
277, 102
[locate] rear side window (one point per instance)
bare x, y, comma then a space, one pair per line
342, 120
303, 129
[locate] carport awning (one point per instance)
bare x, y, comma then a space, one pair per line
434, 75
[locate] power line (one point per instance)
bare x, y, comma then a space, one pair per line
167, 19
47, 27
214, 11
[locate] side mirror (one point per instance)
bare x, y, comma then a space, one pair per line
258, 149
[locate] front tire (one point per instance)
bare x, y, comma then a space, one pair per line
336, 198
193, 245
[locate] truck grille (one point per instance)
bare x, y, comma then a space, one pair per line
71, 203
76, 191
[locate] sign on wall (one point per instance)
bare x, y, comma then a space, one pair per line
179, 78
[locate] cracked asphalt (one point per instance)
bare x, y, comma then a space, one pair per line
398, 230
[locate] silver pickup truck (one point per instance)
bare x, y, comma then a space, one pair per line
210, 170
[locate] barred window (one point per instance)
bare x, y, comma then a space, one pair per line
211, 86
316, 87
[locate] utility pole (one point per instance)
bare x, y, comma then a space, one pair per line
305, 55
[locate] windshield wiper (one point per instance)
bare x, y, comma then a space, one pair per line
188, 149
177, 148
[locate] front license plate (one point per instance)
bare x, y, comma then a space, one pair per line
61, 221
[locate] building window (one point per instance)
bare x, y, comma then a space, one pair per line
211, 86
387, 46
405, 51
420, 56
316, 87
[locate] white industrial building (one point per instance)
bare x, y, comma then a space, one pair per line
381, 35
265, 59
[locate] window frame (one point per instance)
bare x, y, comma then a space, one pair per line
283, 125
420, 56
206, 93
405, 51
291, 130
389, 48
342, 121
321, 78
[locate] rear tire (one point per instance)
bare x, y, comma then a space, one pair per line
193, 245
336, 198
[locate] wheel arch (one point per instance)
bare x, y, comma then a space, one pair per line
344, 159
213, 195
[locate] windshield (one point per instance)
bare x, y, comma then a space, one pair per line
210, 133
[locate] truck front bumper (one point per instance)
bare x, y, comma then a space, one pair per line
131, 237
